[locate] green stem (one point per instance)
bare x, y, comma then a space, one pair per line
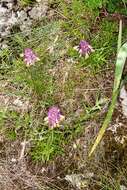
32, 79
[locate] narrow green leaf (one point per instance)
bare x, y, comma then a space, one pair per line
119, 36
120, 62
106, 122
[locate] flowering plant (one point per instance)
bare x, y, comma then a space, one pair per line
30, 57
84, 48
54, 117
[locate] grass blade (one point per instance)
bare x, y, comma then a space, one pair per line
120, 62
119, 36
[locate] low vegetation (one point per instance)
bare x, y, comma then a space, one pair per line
79, 85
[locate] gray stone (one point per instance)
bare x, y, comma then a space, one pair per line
26, 26
24, 18
10, 5
22, 15
3, 11
38, 12
122, 187
12, 20
8, 1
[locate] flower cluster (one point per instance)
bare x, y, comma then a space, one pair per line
84, 48
54, 117
30, 57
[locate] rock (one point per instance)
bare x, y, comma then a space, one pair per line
3, 11
75, 180
38, 12
12, 20
122, 187
123, 97
14, 103
5, 32
79, 180
4, 45
7, 1
26, 26
10, 5
22, 15
38, 1
7, 20
11, 15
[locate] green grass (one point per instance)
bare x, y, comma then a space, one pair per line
112, 6
26, 2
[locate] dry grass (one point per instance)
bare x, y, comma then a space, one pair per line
15, 176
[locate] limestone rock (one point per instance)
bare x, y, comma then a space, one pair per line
11, 15
39, 11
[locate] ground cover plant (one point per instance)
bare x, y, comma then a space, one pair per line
56, 85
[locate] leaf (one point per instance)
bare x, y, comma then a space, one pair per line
120, 62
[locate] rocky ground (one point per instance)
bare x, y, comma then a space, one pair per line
13, 15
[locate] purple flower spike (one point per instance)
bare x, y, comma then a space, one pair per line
54, 117
85, 48
29, 57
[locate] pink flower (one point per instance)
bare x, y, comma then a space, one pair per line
84, 48
54, 117
30, 57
